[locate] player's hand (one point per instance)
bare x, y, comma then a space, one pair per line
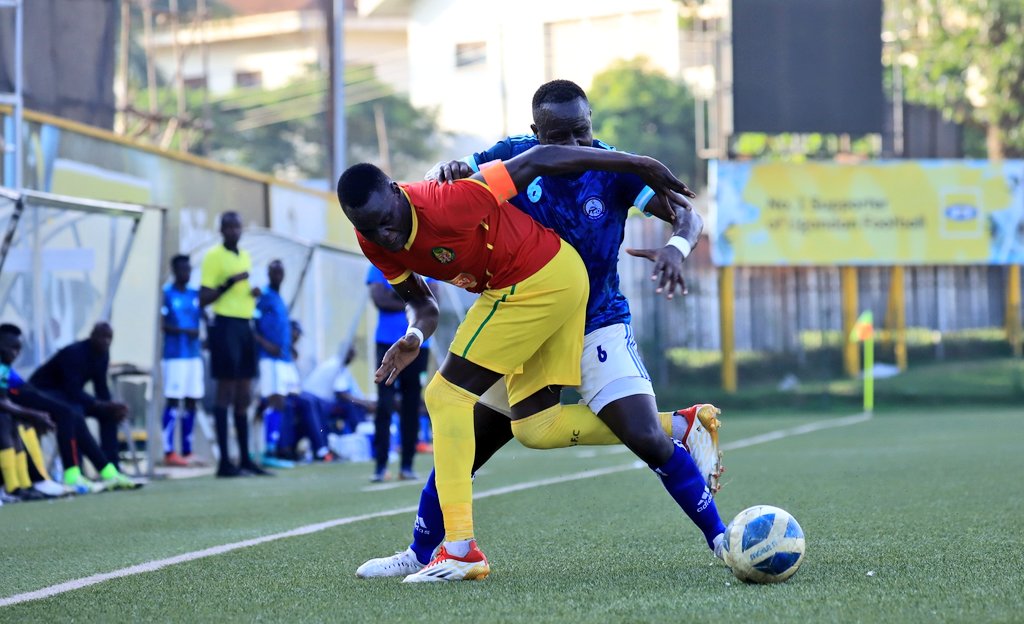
256, 292
43, 421
398, 357
664, 183
668, 268
120, 411
449, 171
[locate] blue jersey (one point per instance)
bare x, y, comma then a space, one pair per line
391, 324
589, 212
272, 323
180, 308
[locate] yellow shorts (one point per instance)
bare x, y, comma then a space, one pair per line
531, 332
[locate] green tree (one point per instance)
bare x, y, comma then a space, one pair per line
966, 58
639, 109
285, 132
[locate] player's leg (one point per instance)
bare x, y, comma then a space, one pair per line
492, 430
195, 390
271, 390
63, 416
502, 331
168, 425
306, 408
246, 345
612, 369
188, 424
634, 419
617, 387
174, 372
409, 412
38, 472
243, 398
382, 421
224, 365
9, 461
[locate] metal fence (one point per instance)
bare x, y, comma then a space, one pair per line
778, 307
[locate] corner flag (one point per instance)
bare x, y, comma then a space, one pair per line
864, 331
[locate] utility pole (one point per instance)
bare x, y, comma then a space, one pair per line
121, 92
337, 83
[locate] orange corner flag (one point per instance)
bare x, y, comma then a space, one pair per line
864, 328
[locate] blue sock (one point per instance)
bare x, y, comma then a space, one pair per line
168, 428
684, 483
272, 428
428, 532
188, 423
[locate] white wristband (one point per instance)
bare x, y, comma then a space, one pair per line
415, 332
681, 244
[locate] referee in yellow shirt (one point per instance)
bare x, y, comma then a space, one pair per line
225, 285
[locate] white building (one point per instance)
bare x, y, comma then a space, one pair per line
269, 43
479, 62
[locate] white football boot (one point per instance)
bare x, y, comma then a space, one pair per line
447, 567
697, 428
401, 563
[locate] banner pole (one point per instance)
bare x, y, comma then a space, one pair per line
869, 373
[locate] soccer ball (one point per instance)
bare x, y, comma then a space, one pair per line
764, 544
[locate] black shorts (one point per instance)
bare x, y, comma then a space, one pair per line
232, 348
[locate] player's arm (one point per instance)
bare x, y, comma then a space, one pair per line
34, 418
668, 260
169, 327
265, 343
211, 288
451, 170
422, 311
558, 159
385, 298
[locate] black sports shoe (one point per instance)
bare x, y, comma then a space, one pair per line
250, 468
228, 471
28, 494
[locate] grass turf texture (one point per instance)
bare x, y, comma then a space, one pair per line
930, 501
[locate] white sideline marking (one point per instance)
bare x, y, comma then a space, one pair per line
158, 564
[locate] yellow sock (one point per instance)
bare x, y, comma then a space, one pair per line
665, 418
451, 416
34, 450
21, 465
9, 470
560, 426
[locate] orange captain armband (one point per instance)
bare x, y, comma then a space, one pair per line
499, 182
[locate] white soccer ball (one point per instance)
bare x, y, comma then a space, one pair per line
764, 544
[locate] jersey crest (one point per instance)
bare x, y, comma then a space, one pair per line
444, 255
594, 208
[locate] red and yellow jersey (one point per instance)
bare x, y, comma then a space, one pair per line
463, 234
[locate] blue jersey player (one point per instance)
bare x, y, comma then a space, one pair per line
182, 362
279, 376
589, 211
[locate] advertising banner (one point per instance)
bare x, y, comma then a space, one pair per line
911, 212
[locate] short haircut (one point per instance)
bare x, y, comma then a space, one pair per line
358, 181
557, 92
230, 214
10, 329
179, 258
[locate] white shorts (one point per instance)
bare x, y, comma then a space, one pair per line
278, 377
183, 378
611, 369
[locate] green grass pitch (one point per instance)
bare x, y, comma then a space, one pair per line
913, 516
